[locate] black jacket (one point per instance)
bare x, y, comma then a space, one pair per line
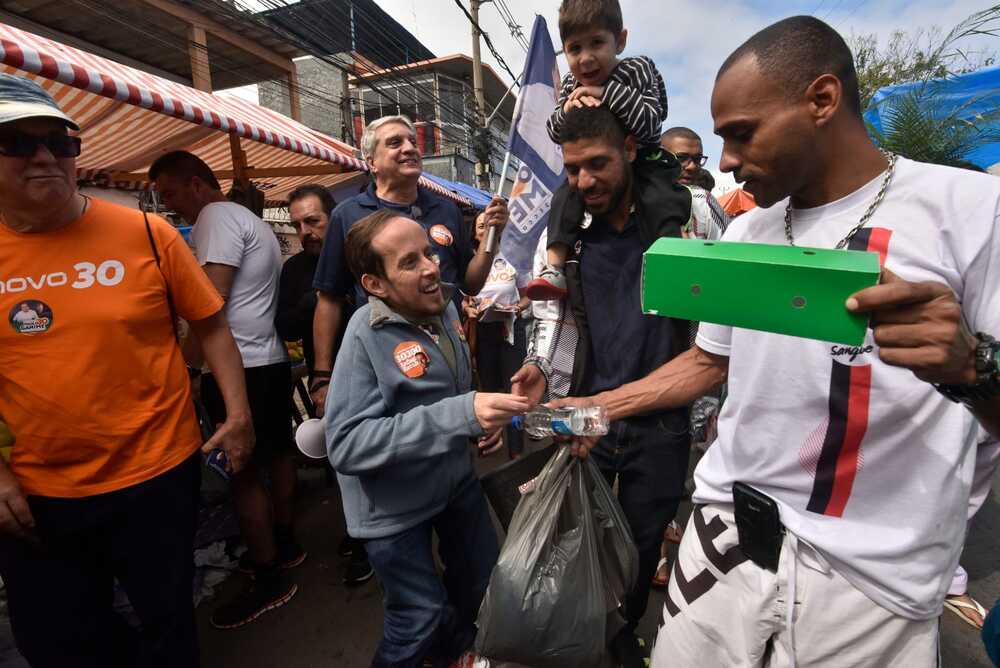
663, 208
297, 302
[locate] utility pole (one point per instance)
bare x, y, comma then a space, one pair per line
480, 141
346, 112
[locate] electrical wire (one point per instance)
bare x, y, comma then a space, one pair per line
489, 42
461, 113
358, 69
311, 97
401, 73
834, 8
851, 13
315, 47
516, 30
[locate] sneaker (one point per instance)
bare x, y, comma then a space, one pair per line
469, 660
290, 553
349, 546
246, 565
550, 285
359, 569
266, 591
629, 651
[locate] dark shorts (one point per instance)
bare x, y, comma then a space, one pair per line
269, 392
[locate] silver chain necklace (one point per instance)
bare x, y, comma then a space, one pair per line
891, 158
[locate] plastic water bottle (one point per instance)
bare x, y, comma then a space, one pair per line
702, 411
543, 422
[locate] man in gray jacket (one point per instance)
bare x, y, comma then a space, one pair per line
400, 416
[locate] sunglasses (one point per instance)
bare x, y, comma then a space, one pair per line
20, 145
699, 160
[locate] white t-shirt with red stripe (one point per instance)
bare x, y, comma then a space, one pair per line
869, 465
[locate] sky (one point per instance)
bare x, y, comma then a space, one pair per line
687, 39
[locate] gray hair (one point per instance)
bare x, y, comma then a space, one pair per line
368, 137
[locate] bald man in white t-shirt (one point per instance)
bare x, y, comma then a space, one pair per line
865, 451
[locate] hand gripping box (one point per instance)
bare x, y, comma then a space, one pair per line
783, 289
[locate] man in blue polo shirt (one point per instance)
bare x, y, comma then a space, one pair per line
390, 147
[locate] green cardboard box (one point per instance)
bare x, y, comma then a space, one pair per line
784, 289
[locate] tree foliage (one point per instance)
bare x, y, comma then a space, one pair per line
912, 124
924, 54
910, 129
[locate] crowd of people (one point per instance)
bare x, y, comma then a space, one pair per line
829, 512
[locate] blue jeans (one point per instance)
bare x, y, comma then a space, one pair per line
429, 615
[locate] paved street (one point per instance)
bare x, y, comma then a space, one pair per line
330, 626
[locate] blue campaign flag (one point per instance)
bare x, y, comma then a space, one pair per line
541, 170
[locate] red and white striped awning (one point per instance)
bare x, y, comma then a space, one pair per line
128, 118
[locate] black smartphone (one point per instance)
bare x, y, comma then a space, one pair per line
759, 526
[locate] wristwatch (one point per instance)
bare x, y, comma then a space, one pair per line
987, 383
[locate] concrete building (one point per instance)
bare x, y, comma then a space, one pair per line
437, 95
321, 108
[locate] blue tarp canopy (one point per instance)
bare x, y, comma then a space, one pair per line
976, 93
479, 198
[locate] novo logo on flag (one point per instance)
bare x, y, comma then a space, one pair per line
530, 200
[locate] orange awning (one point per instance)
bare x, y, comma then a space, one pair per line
737, 201
129, 117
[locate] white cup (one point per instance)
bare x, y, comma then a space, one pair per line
311, 438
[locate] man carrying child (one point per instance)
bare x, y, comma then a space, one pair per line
593, 36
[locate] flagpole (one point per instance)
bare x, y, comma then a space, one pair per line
539, 67
491, 235
497, 108
503, 173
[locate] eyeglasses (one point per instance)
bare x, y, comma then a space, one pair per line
20, 145
700, 160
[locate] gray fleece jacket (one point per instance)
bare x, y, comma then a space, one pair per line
398, 421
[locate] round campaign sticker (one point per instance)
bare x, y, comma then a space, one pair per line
411, 359
441, 235
30, 317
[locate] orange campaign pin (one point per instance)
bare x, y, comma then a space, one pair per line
411, 359
441, 235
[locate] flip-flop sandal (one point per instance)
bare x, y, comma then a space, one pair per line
958, 606
658, 582
674, 532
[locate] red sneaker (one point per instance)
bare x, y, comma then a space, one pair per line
469, 660
550, 285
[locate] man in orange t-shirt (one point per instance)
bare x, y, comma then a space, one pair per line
104, 475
